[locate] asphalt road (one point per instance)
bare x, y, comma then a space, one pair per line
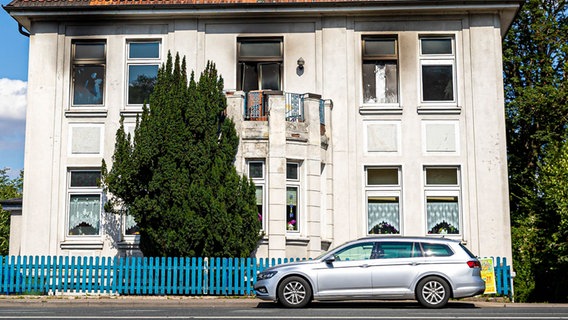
239, 308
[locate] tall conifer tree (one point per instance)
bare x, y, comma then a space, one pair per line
536, 93
177, 177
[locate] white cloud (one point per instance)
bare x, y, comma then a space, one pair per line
13, 99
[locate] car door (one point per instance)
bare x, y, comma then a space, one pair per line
347, 273
396, 268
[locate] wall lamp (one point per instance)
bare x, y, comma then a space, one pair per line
301, 63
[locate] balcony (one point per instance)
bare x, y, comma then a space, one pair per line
256, 113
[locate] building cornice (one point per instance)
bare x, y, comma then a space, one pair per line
26, 11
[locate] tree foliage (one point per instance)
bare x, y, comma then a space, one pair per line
177, 177
536, 94
9, 189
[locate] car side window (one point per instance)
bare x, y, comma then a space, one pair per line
436, 250
394, 249
359, 251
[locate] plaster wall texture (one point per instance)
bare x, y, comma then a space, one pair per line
333, 185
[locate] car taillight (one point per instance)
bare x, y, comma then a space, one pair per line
474, 264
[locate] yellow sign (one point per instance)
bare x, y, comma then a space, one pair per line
488, 275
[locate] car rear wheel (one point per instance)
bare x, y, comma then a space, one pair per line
433, 292
294, 292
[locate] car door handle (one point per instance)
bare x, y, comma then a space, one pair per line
364, 266
414, 263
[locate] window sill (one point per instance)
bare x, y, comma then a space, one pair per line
129, 244
130, 112
86, 113
82, 245
296, 241
380, 109
439, 109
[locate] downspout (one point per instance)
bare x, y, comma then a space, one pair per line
23, 31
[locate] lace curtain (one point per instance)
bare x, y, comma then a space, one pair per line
443, 217
129, 222
384, 212
85, 210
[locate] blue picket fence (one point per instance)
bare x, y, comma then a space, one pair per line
149, 276
503, 280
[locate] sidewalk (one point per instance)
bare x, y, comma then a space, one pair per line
215, 301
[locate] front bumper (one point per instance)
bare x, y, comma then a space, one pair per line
265, 291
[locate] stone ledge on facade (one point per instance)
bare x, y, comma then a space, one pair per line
86, 113
128, 245
81, 245
438, 110
325, 244
379, 109
297, 241
130, 113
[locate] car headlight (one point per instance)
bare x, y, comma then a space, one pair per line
265, 275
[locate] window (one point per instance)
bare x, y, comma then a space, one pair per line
130, 226
359, 251
259, 64
292, 196
442, 200
380, 70
143, 65
437, 64
436, 250
393, 250
383, 200
84, 202
88, 72
256, 173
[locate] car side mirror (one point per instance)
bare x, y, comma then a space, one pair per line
330, 259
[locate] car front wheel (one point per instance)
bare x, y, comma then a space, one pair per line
294, 292
433, 292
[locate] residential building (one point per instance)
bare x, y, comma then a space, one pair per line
355, 117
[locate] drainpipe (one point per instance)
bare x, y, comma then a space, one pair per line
23, 31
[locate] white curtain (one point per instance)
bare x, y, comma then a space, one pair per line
85, 209
129, 222
384, 212
380, 83
440, 212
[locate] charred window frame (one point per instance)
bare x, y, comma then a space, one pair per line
380, 69
88, 72
260, 63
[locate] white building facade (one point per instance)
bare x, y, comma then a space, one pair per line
355, 118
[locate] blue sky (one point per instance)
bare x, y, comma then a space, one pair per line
13, 86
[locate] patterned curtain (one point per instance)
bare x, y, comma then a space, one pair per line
384, 218
129, 222
85, 210
294, 107
255, 108
443, 217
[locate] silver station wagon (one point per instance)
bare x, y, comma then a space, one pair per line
430, 270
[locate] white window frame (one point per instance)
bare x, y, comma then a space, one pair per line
93, 62
260, 182
156, 61
383, 191
295, 183
82, 191
438, 60
127, 237
443, 191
